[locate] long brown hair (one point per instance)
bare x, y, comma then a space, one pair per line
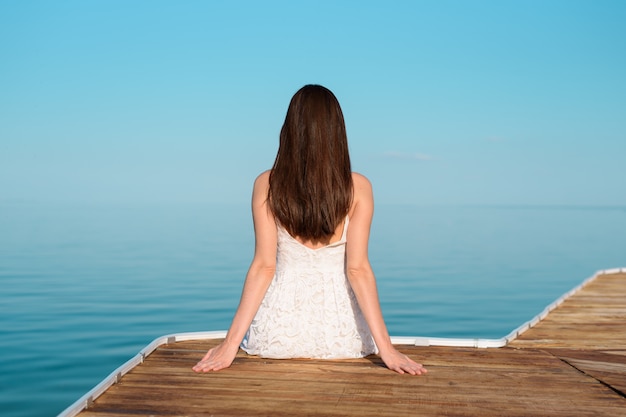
310, 188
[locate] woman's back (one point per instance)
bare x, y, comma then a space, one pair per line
309, 309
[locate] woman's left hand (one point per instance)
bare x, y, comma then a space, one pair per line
219, 357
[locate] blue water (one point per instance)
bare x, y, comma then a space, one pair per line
84, 288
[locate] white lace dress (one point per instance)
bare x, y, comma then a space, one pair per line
309, 310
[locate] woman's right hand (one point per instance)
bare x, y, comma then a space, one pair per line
220, 357
401, 363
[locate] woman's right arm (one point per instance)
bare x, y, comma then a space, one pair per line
257, 282
363, 281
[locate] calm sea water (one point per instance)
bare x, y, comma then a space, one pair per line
84, 288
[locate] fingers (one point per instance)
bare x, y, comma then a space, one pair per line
211, 362
215, 359
402, 364
208, 366
414, 368
207, 355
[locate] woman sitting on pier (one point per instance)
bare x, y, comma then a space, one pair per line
310, 291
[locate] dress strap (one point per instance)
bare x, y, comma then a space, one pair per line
344, 233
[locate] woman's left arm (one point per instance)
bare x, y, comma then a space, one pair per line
257, 282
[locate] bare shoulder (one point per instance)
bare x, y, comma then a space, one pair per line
263, 178
261, 188
262, 182
363, 199
362, 186
359, 178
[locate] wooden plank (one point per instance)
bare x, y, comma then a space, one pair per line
592, 319
606, 366
461, 381
571, 363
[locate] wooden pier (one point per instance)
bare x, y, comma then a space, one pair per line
571, 363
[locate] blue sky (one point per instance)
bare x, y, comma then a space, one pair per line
446, 102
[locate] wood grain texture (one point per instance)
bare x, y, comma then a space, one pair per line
573, 363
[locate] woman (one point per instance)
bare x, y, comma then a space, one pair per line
310, 290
